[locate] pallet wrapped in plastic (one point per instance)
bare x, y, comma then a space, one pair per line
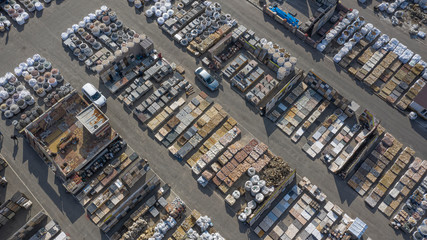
381, 41
400, 49
204, 222
374, 33
414, 60
391, 45
406, 56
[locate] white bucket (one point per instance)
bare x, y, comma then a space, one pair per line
251, 171
259, 197
255, 179
281, 73
293, 61
160, 21
255, 190
276, 56
281, 61
248, 185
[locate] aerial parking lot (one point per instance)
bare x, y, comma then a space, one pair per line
310, 125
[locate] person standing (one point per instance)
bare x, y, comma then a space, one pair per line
14, 138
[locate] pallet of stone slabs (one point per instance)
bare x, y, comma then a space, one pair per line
317, 146
169, 139
349, 135
289, 118
165, 115
377, 159
311, 119
186, 144
207, 144
383, 186
393, 90
405, 185
353, 54
144, 114
371, 64
283, 105
136, 91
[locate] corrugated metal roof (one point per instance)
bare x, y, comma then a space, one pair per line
421, 98
92, 118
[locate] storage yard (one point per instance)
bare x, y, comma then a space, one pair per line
311, 124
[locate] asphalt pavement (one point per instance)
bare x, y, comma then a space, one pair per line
42, 35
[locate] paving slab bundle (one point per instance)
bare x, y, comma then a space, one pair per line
235, 66
325, 133
373, 166
183, 120
200, 45
237, 159
203, 158
262, 90
136, 91
342, 158
302, 212
388, 206
48, 231
212, 153
382, 72
413, 211
155, 103
409, 96
282, 107
181, 19
278, 210
165, 114
191, 138
299, 111
404, 186
123, 207
195, 134
311, 119
340, 141
400, 82
123, 71
353, 53
370, 64
247, 76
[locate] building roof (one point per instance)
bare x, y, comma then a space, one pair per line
63, 137
92, 118
421, 98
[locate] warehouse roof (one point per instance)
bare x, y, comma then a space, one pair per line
421, 98
92, 118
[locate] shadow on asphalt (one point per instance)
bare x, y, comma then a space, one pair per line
346, 194
59, 196
420, 126
269, 126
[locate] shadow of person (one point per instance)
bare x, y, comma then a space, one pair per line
7, 37
15, 147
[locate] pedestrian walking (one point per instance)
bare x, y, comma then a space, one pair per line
14, 137
3, 181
